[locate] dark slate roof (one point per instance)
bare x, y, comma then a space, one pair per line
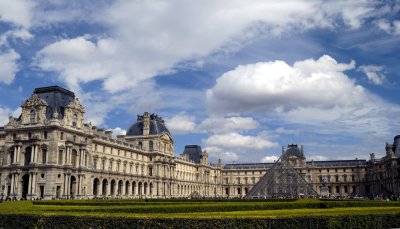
57, 99
337, 163
157, 126
249, 166
293, 150
195, 153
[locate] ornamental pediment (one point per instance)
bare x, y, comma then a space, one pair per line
34, 101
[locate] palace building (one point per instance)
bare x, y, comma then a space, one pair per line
49, 152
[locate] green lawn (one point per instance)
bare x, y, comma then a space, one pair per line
199, 209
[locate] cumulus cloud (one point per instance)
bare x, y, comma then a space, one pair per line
117, 131
236, 140
4, 115
6, 112
181, 124
315, 92
8, 66
216, 152
151, 38
374, 73
18, 13
269, 159
216, 124
276, 85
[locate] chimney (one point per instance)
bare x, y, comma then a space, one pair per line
146, 123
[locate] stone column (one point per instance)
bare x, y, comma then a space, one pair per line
36, 154
137, 189
17, 153
123, 189
99, 188
79, 185
12, 183
65, 184
34, 175
32, 153
30, 184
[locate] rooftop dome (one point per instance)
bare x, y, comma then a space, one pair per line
157, 125
294, 150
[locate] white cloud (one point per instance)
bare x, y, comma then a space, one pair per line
390, 27
151, 38
4, 115
282, 130
8, 66
235, 140
6, 112
269, 159
216, 124
374, 73
276, 85
314, 92
226, 156
117, 131
19, 13
181, 124
319, 158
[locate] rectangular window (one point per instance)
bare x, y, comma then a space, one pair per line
44, 156
60, 156
45, 135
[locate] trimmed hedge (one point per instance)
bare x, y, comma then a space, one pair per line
34, 221
97, 202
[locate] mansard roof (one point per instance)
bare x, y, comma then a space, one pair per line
195, 153
157, 126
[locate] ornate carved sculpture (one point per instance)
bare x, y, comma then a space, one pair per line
34, 101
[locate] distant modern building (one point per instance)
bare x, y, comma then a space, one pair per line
50, 152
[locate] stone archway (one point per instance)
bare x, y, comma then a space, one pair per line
96, 183
113, 184
25, 186
126, 188
120, 186
73, 187
104, 187
28, 155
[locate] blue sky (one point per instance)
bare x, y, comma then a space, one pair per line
239, 78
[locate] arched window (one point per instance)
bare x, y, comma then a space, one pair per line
74, 120
151, 145
32, 116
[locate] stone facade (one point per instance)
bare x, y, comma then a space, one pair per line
49, 152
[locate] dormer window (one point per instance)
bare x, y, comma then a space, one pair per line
32, 116
74, 120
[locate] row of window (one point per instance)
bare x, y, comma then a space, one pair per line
33, 118
27, 156
30, 135
245, 180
